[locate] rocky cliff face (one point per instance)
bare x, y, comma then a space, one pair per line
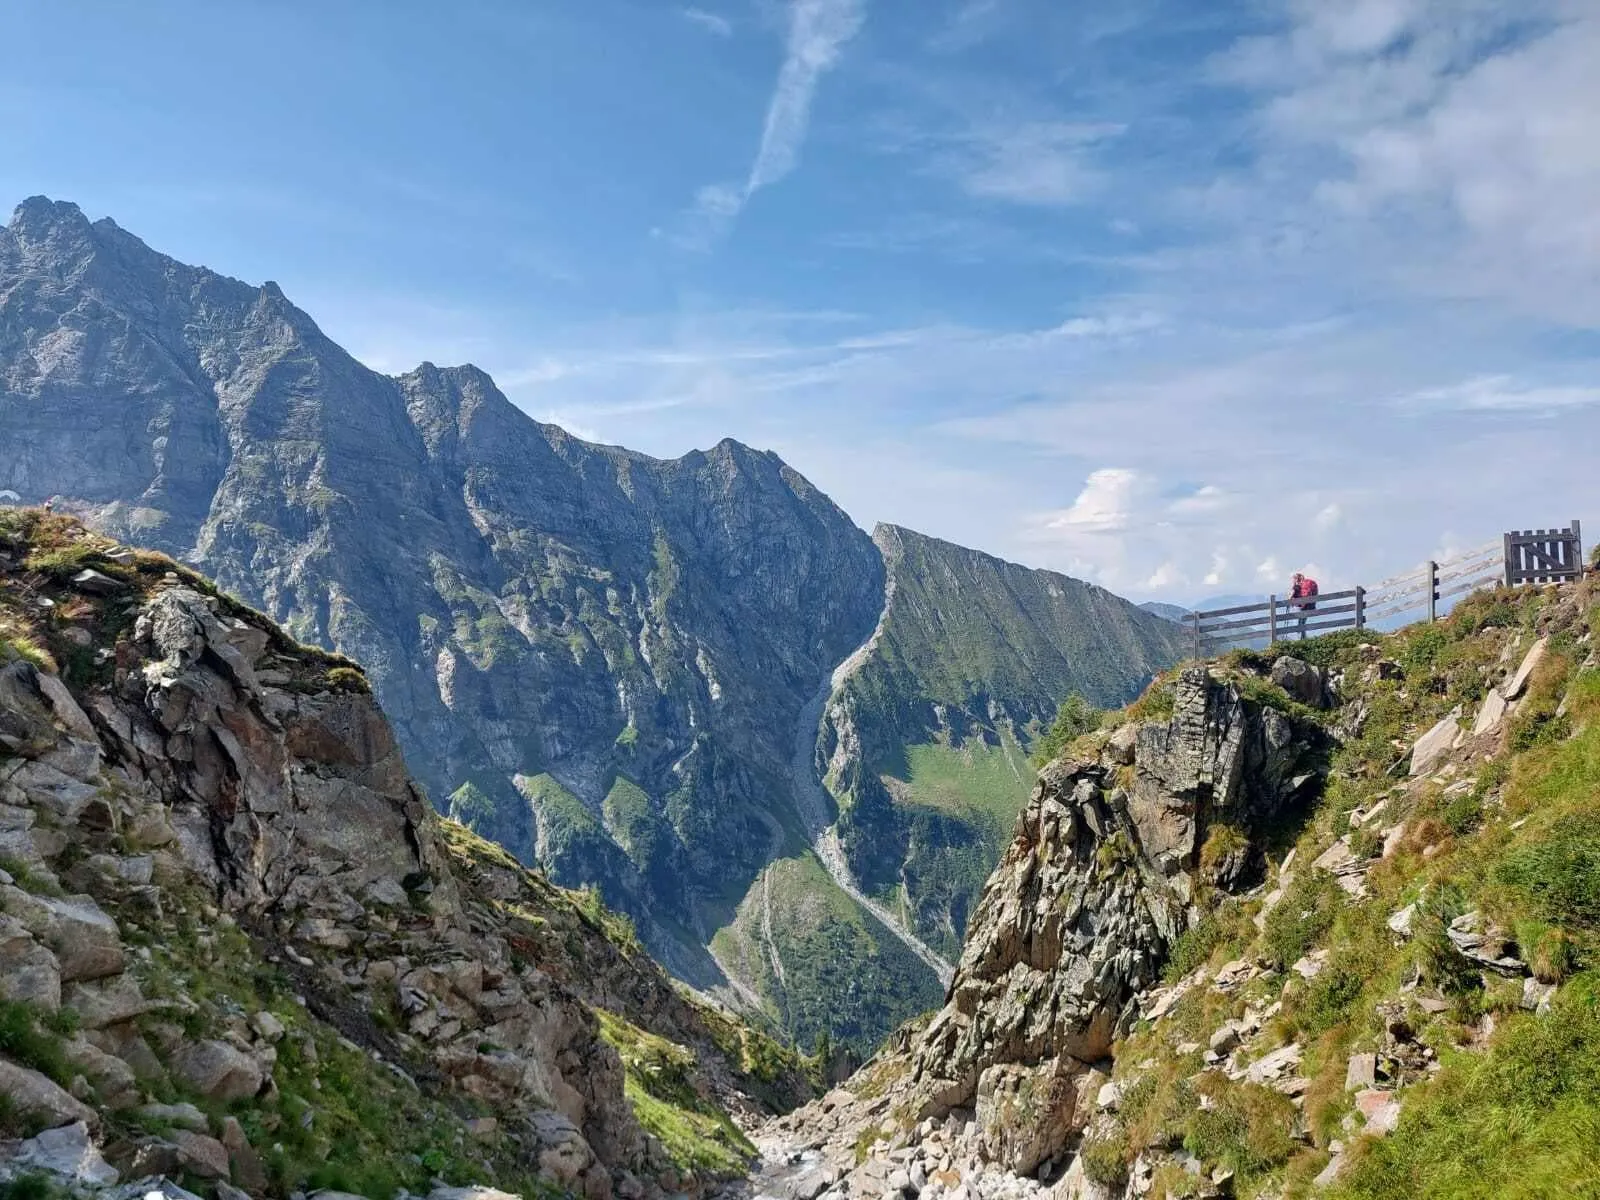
600, 656
1296, 925
237, 943
1108, 866
599, 660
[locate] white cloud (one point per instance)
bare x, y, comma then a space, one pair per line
1268, 569
818, 33
709, 21
1327, 519
1454, 137
1042, 163
1502, 393
1106, 504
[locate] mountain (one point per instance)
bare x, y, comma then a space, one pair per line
1322, 925
924, 737
613, 665
1170, 612
238, 949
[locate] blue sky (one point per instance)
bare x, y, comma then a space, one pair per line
1177, 297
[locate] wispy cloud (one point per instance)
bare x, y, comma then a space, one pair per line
818, 31
1502, 393
709, 21
1043, 163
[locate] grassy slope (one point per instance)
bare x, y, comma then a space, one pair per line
1514, 1110
841, 972
973, 790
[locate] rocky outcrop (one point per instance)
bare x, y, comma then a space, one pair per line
205, 781
1103, 873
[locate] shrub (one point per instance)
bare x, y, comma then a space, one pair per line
1105, 1160
1248, 1127
1074, 718
1193, 947
23, 1040
1302, 917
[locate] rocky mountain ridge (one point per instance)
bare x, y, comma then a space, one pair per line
597, 659
238, 948
1317, 923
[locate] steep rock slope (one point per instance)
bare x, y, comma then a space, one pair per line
599, 656
237, 944
601, 661
924, 738
1294, 926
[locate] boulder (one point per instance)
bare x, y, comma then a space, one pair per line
218, 1071
1301, 680
29, 973
35, 1097
1122, 745
204, 1156
1432, 747
1362, 1072
85, 941
1026, 1115
68, 1152
1513, 688
1495, 707
97, 583
1381, 1110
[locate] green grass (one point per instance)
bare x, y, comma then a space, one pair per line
1520, 1121
661, 1088
842, 972
27, 1037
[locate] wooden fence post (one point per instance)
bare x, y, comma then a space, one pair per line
1361, 607
1272, 621
1196, 617
1433, 591
1577, 547
1511, 565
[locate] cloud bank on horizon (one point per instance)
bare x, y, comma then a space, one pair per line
1176, 298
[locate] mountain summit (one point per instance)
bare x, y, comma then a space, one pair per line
602, 660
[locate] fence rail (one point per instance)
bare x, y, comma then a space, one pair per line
1531, 556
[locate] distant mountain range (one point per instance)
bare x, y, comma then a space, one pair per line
635, 672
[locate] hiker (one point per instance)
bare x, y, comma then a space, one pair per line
1303, 595
50, 505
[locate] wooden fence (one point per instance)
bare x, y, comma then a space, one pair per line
1544, 555
1537, 556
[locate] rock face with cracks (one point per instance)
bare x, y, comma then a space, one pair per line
1077, 921
201, 758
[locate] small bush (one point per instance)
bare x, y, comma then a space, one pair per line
24, 1041
1074, 718
348, 679
1249, 1128
1105, 1160
1193, 947
1302, 917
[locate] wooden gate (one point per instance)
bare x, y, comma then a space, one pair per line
1544, 555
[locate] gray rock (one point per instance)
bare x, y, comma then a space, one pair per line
1432, 747
1301, 680
85, 941
218, 1071
1513, 688
36, 1097
1362, 1072
68, 1152
182, 1115
204, 1156
29, 973
97, 583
